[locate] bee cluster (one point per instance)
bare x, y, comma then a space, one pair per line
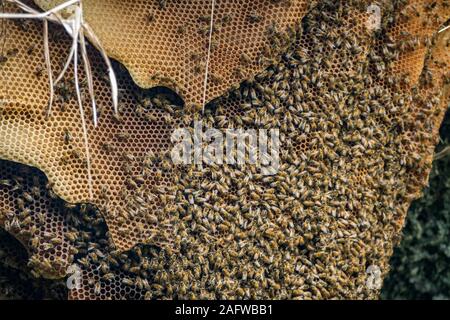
357, 138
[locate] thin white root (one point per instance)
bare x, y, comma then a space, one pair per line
90, 82
53, 15
34, 14
77, 27
443, 29
49, 68
211, 26
442, 154
112, 75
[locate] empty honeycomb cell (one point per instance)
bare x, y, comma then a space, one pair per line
357, 146
168, 45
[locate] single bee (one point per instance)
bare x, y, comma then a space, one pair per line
254, 17
67, 136
123, 136
150, 17
39, 71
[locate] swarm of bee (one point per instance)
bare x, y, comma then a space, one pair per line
357, 136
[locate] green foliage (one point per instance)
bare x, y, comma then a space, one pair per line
420, 266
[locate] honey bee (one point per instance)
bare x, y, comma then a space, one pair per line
47, 246
20, 204
239, 73
128, 157
35, 191
123, 136
254, 17
245, 59
150, 17
127, 282
108, 276
84, 262
162, 4
108, 147
116, 117
35, 242
39, 71
150, 117
76, 153
216, 79
6, 182
67, 136
46, 264
56, 241
182, 29
97, 288
30, 49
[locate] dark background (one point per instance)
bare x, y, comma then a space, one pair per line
420, 266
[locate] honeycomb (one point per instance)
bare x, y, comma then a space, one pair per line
166, 43
358, 130
416, 24
127, 177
